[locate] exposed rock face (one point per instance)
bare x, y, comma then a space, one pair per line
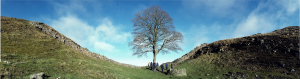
40, 75
178, 72
67, 41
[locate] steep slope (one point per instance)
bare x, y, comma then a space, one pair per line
275, 53
26, 50
67, 41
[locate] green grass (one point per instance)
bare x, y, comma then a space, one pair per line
31, 51
206, 64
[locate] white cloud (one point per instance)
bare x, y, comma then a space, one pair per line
73, 28
253, 24
104, 46
101, 39
290, 5
264, 18
109, 32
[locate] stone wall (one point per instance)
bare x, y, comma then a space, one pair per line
67, 41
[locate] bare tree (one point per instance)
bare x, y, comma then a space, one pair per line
154, 32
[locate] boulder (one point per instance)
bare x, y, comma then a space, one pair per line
178, 72
40, 75
169, 70
7, 62
293, 70
221, 50
257, 77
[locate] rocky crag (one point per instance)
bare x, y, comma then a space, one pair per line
67, 41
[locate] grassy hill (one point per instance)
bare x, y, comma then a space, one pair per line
30, 50
260, 54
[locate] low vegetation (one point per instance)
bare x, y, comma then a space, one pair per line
29, 51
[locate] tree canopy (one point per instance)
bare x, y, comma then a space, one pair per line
154, 32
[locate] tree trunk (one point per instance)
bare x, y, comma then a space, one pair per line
154, 58
154, 54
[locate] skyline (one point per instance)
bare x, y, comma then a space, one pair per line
104, 27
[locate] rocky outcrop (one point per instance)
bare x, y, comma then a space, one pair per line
40, 75
67, 41
178, 72
7, 62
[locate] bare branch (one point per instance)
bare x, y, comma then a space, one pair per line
154, 32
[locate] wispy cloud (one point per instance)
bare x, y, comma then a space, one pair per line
111, 33
253, 24
102, 37
104, 46
289, 5
265, 18
196, 35
73, 28
261, 18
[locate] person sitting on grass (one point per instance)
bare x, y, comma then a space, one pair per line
162, 68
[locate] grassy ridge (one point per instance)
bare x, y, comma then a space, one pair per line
208, 64
31, 51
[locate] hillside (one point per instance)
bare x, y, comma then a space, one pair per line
33, 47
267, 55
29, 47
67, 41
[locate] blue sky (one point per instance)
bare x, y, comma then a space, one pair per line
104, 27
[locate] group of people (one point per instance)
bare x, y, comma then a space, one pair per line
153, 66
